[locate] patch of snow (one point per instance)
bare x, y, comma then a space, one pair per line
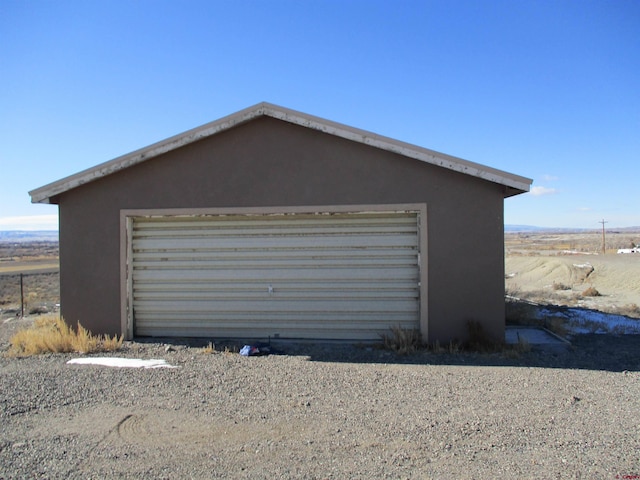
580, 321
120, 362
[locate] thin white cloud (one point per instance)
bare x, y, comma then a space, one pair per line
584, 209
540, 191
30, 222
550, 178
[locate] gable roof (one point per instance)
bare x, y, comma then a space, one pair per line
513, 184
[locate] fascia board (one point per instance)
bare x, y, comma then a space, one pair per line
401, 148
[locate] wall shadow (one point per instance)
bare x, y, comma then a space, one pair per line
613, 353
587, 352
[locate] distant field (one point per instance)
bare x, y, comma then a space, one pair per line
570, 269
583, 242
29, 267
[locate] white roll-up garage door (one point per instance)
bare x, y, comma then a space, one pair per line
321, 276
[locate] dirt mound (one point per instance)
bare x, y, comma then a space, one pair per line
544, 272
615, 277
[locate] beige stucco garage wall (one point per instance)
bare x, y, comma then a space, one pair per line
266, 163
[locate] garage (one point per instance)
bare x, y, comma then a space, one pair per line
290, 275
274, 223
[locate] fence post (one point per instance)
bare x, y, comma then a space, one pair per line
21, 296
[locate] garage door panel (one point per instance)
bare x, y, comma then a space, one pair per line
261, 243
314, 261
289, 285
269, 276
247, 294
264, 333
277, 223
272, 326
347, 276
290, 305
263, 232
276, 319
248, 255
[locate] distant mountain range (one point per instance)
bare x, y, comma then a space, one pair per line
29, 236
523, 228
533, 229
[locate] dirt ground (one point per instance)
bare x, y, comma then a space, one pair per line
324, 411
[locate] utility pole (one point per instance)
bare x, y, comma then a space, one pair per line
604, 249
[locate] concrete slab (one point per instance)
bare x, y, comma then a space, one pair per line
536, 337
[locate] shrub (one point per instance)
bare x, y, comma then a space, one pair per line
591, 292
50, 334
402, 340
560, 286
39, 310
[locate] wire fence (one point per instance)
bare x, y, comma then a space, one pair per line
29, 293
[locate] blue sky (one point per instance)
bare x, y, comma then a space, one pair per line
544, 89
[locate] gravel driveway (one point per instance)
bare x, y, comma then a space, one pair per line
323, 411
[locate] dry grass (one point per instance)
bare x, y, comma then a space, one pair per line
402, 340
556, 325
516, 350
209, 349
451, 348
50, 334
406, 341
517, 300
